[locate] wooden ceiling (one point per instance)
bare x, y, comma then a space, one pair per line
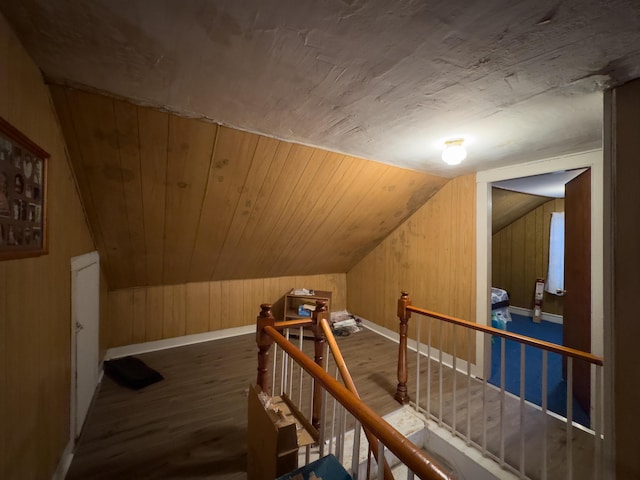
508, 206
172, 200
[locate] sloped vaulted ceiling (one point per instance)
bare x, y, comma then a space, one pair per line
508, 206
173, 200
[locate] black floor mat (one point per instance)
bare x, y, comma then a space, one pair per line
131, 372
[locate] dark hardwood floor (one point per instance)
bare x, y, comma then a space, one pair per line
193, 424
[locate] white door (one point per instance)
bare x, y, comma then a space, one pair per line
85, 318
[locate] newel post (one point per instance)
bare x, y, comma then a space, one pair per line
264, 341
319, 348
403, 315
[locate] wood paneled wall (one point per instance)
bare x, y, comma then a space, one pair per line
35, 299
432, 256
145, 314
508, 206
520, 255
173, 200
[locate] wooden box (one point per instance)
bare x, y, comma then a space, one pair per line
274, 438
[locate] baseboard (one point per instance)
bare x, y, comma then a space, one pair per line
549, 317
380, 330
137, 348
434, 353
65, 462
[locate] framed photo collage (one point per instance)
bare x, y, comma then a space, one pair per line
23, 170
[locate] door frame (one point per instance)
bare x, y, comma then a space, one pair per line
77, 263
592, 159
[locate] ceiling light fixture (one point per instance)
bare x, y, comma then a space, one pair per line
454, 151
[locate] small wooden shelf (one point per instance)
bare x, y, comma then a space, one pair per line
293, 301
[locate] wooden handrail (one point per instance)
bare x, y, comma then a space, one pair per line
298, 322
404, 313
351, 386
408, 453
337, 355
552, 347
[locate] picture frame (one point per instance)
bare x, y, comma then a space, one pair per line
23, 195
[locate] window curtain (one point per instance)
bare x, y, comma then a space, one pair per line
555, 277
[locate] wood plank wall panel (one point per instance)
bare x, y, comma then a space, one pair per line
189, 157
432, 256
266, 209
35, 298
281, 220
508, 206
175, 310
344, 224
342, 189
197, 308
520, 255
215, 300
154, 131
120, 317
228, 171
138, 329
330, 164
95, 131
154, 315
174, 200
126, 118
174, 324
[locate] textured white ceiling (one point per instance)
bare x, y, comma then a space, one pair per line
545, 185
382, 80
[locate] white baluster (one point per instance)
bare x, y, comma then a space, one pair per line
454, 402
355, 458
429, 376
440, 377
597, 424
522, 395
502, 387
301, 369
380, 460
569, 456
544, 415
275, 365
419, 320
469, 350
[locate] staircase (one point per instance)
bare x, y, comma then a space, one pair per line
461, 462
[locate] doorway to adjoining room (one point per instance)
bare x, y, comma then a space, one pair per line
522, 255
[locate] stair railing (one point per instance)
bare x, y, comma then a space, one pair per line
443, 405
381, 437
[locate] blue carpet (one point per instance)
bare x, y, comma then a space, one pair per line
556, 385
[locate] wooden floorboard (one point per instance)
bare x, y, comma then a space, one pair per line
193, 424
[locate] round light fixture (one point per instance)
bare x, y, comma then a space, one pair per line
454, 151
